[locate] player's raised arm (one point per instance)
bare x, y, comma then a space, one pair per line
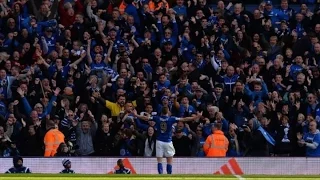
198, 116
145, 118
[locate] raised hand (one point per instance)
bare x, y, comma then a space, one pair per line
20, 92
57, 91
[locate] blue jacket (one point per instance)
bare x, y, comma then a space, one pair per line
314, 111
3, 109
166, 84
257, 96
9, 45
124, 149
174, 35
201, 153
308, 1
46, 111
287, 13
153, 38
187, 53
18, 170
200, 65
315, 140
300, 29
132, 10
141, 125
122, 171
184, 43
275, 16
67, 171
295, 70
232, 151
40, 25
229, 82
181, 10
239, 117
190, 110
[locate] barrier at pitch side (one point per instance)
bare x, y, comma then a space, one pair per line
228, 166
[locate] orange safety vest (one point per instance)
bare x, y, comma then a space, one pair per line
52, 141
152, 6
216, 145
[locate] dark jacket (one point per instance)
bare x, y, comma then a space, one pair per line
284, 140
182, 145
256, 144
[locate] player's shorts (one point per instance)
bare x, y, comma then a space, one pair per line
164, 149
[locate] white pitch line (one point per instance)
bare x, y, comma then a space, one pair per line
119, 178
240, 177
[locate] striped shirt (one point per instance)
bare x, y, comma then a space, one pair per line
68, 124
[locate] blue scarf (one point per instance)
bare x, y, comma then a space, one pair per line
267, 136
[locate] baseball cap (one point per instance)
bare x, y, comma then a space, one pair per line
269, 3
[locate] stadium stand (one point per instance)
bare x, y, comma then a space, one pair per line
81, 70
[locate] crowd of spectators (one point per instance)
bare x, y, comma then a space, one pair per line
84, 67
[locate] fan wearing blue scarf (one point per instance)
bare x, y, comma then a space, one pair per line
257, 139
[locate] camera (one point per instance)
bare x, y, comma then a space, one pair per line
133, 79
245, 126
308, 141
3, 83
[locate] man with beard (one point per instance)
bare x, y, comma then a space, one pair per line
116, 107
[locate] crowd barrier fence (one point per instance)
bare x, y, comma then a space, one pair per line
227, 166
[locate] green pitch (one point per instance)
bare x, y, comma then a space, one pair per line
148, 177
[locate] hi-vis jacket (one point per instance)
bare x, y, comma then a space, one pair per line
52, 140
216, 145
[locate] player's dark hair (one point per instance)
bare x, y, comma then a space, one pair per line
165, 111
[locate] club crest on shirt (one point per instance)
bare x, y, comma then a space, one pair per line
163, 126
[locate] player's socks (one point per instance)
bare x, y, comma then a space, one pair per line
160, 169
169, 168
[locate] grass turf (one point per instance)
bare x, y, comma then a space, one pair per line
150, 177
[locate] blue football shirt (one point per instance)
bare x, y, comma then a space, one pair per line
164, 127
